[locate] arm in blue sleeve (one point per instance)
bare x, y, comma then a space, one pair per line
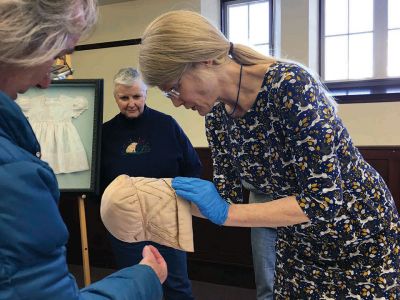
32, 245
139, 282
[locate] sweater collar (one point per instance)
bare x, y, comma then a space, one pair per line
15, 126
133, 121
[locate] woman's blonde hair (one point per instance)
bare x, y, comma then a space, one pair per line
177, 39
34, 31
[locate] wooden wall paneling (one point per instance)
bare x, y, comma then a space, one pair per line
223, 254
386, 160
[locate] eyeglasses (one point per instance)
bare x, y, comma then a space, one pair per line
61, 70
173, 93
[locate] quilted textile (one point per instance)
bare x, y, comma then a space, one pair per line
135, 209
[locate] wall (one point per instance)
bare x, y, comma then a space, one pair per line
372, 123
124, 21
368, 124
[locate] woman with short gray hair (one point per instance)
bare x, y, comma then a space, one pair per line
143, 142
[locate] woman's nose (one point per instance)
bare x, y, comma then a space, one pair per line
177, 102
131, 102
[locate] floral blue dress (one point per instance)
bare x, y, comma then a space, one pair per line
292, 143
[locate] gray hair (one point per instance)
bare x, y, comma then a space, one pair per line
177, 39
34, 31
127, 76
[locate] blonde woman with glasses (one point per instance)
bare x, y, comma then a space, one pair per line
273, 129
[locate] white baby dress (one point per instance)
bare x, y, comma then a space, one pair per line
51, 120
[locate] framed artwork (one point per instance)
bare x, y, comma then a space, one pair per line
67, 119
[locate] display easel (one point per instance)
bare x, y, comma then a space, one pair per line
84, 240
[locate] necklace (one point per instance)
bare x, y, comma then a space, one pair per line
238, 92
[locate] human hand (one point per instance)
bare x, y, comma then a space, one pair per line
204, 194
153, 259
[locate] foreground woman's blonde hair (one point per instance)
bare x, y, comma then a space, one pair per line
177, 39
32, 31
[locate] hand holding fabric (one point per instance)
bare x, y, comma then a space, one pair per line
204, 194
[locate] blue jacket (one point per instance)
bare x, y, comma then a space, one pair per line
33, 234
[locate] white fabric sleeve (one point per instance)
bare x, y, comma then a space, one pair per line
79, 105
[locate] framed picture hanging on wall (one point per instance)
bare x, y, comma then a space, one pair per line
67, 119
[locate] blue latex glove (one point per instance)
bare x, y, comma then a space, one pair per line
206, 197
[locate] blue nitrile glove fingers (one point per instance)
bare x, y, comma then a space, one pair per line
206, 197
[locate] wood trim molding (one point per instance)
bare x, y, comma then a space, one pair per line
102, 45
365, 91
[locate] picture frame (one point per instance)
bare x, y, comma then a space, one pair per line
87, 122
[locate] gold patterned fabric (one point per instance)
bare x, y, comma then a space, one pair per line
292, 143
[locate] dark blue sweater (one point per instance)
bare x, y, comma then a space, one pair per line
152, 145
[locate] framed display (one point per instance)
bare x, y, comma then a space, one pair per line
67, 119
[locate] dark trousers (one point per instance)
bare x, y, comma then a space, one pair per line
177, 286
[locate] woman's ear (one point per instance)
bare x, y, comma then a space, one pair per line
203, 64
207, 63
